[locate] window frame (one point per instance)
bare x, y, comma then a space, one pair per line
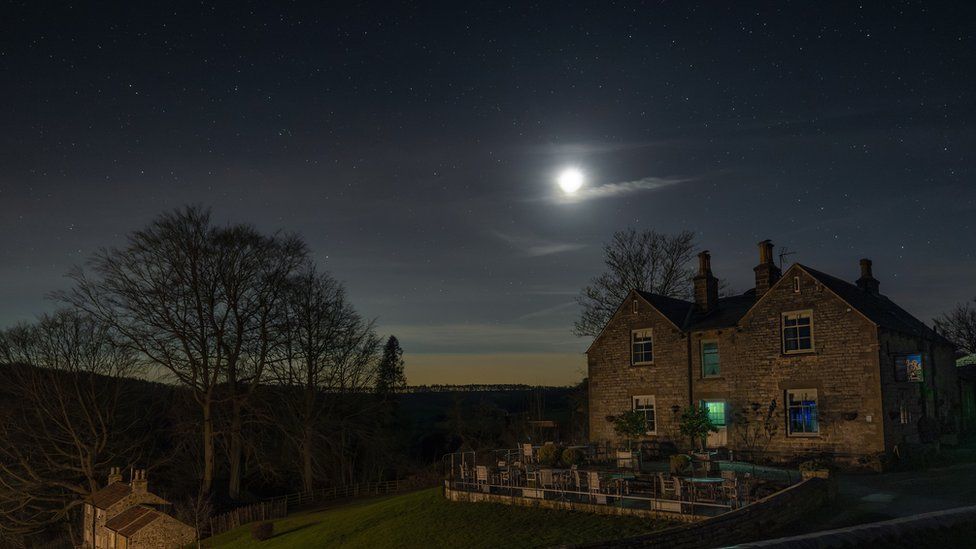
782, 332
718, 355
789, 422
653, 402
633, 343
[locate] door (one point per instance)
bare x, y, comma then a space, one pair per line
717, 413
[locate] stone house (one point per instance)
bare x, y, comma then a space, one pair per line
128, 516
803, 364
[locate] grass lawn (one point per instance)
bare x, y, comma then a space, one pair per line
426, 519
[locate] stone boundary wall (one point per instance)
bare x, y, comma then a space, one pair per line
949, 528
465, 496
759, 520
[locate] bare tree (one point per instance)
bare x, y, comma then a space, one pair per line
647, 260
196, 300
959, 326
63, 428
328, 356
252, 274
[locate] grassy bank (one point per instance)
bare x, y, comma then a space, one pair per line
426, 519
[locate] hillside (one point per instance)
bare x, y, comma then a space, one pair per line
425, 519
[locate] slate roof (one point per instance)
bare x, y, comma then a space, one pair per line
727, 313
878, 308
676, 310
117, 491
110, 495
132, 520
729, 310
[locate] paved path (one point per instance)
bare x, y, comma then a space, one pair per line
870, 498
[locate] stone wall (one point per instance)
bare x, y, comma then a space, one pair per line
613, 381
476, 497
759, 520
843, 369
164, 532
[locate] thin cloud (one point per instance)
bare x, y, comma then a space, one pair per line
548, 311
576, 149
536, 247
622, 188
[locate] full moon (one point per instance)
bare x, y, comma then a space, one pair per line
570, 180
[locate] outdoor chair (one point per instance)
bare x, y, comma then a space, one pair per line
527, 452
545, 478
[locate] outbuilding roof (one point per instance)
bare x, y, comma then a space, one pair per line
132, 520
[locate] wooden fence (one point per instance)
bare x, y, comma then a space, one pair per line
265, 510
277, 507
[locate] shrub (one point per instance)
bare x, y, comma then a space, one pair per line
818, 464
572, 456
549, 455
262, 530
680, 463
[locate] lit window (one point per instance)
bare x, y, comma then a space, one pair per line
709, 358
801, 406
644, 404
798, 332
642, 347
796, 284
635, 306
716, 411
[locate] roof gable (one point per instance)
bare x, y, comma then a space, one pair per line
880, 310
672, 309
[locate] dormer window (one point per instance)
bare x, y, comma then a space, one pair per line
642, 347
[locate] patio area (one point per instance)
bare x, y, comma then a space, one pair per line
704, 486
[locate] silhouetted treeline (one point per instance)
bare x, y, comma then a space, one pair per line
275, 383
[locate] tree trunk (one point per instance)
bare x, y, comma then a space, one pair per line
307, 460
208, 447
236, 452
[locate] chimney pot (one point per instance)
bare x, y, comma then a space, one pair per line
767, 273
704, 263
867, 282
706, 285
114, 475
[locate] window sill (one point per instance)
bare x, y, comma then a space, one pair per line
642, 363
712, 377
803, 435
803, 352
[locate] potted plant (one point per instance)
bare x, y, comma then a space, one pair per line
630, 426
695, 425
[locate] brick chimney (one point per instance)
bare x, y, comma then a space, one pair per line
767, 273
139, 483
114, 475
706, 285
867, 282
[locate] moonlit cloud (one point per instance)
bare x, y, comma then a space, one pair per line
622, 188
537, 247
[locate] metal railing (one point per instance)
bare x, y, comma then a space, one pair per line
618, 499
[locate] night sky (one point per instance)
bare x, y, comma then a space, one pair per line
416, 146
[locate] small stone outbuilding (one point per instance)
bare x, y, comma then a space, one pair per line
128, 516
